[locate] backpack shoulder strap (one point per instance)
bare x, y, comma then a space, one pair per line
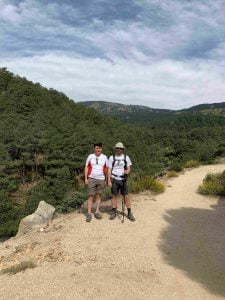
125, 162
114, 160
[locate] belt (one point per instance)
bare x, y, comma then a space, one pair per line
122, 177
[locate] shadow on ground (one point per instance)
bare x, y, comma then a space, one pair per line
194, 242
105, 208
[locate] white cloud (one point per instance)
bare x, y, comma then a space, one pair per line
164, 84
170, 56
8, 12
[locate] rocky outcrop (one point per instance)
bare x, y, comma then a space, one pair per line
43, 214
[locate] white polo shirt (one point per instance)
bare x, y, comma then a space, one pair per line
97, 166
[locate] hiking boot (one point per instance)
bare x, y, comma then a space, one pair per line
131, 217
113, 215
98, 216
88, 218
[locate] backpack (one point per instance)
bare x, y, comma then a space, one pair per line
125, 162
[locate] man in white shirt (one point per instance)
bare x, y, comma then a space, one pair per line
95, 177
119, 166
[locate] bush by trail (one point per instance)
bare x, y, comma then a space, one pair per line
213, 184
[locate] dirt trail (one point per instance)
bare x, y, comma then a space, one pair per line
175, 250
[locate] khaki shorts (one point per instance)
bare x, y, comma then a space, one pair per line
95, 186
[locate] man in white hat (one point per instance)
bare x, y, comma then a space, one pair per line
119, 166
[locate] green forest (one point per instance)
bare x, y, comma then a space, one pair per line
45, 138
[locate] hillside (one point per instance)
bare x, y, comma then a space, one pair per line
45, 138
130, 113
143, 114
217, 109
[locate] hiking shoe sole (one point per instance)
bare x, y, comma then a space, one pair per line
131, 218
88, 218
98, 216
113, 216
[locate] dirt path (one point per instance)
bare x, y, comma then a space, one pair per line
175, 250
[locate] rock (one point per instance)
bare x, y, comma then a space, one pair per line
45, 211
43, 214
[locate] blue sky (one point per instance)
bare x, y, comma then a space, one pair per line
159, 53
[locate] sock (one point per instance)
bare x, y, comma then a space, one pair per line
129, 211
114, 209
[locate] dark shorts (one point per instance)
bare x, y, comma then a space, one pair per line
119, 186
95, 186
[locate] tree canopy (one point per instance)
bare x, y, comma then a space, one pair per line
45, 138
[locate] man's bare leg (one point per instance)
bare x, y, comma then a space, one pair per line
127, 201
128, 205
114, 201
98, 202
114, 207
90, 203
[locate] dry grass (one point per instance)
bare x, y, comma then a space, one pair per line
19, 267
192, 164
172, 173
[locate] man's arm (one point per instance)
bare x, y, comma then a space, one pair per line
85, 175
127, 171
106, 175
109, 177
129, 163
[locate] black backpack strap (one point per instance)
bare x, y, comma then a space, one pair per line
125, 162
113, 163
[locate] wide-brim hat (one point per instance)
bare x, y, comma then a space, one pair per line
119, 145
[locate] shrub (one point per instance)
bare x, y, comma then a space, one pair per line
70, 203
19, 267
172, 173
145, 182
213, 184
158, 187
176, 166
192, 164
106, 193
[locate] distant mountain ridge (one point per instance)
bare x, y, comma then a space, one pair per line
203, 106
107, 106
131, 113
140, 113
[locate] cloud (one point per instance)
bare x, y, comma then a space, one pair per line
165, 84
158, 53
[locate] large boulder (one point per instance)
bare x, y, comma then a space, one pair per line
43, 214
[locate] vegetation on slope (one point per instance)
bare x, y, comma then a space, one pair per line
142, 114
45, 138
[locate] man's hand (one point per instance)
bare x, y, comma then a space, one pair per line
126, 172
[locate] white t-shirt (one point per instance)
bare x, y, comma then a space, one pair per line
118, 168
97, 166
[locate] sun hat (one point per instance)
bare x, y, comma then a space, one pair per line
119, 145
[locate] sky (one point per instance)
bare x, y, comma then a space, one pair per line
158, 53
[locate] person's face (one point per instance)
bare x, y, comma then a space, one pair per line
98, 150
119, 151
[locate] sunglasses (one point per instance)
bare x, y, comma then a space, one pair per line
119, 148
96, 161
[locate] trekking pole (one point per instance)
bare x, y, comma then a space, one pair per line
123, 206
123, 200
